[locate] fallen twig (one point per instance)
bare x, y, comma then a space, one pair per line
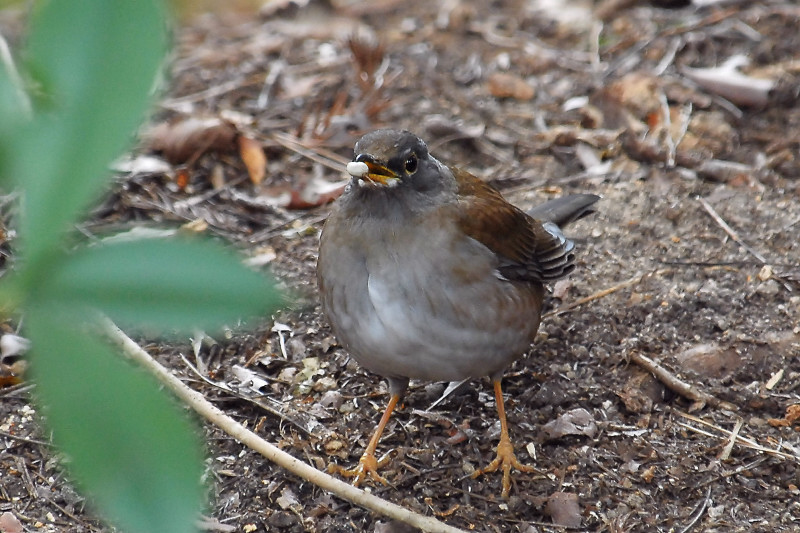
178, 103
196, 401
726, 452
699, 510
324, 157
714, 18
605, 292
735, 236
264, 402
676, 385
16, 391
729, 230
24, 439
742, 441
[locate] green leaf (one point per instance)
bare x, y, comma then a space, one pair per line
127, 443
180, 284
95, 62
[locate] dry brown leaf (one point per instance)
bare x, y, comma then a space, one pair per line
564, 509
575, 422
368, 55
640, 392
12, 374
631, 102
648, 474
315, 192
505, 85
638, 92
457, 436
335, 447
709, 133
182, 178
217, 176
792, 417
442, 126
189, 138
252, 153
288, 499
710, 360
561, 288
10, 524
569, 135
301, 86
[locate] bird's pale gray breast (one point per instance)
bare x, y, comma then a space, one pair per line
403, 303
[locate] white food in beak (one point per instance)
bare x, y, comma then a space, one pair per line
357, 169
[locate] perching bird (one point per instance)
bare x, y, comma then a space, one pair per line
426, 272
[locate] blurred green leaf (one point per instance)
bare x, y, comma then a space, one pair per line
180, 284
90, 66
95, 62
126, 441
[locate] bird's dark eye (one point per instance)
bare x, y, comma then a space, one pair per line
411, 163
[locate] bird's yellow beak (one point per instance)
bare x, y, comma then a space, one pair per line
373, 173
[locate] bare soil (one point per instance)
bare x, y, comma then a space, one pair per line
539, 102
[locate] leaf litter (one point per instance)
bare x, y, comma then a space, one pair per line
538, 106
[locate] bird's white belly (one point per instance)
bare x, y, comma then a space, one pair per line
459, 327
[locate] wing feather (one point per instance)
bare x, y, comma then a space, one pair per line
528, 249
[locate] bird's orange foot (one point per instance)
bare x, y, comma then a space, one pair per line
368, 465
505, 460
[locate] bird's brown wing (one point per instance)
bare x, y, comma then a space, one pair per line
528, 249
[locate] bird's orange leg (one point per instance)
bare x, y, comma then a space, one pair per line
505, 450
368, 464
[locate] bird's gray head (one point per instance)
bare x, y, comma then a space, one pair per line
397, 159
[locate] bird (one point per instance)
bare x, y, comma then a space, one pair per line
426, 272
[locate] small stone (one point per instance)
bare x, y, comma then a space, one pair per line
765, 273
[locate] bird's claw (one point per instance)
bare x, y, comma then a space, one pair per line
505, 460
368, 465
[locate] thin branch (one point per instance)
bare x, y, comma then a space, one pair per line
214, 415
24, 439
308, 427
672, 144
605, 292
735, 236
319, 155
726, 452
16, 391
790, 224
676, 385
701, 508
669, 57
742, 441
730, 231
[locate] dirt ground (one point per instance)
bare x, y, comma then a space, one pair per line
692, 260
